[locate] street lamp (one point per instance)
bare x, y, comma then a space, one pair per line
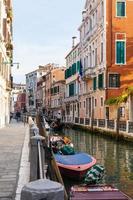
15, 63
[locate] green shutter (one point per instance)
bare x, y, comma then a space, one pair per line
78, 66
70, 71
66, 74
51, 91
120, 52
74, 69
100, 81
94, 83
120, 9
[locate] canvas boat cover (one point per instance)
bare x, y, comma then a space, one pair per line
76, 159
94, 175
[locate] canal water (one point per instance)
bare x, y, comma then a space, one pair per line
116, 157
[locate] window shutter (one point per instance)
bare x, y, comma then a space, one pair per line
100, 81
72, 69
78, 66
71, 89
120, 52
94, 83
120, 9
66, 74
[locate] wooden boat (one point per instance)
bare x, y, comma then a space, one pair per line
56, 125
57, 142
74, 166
97, 192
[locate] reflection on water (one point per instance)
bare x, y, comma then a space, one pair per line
116, 157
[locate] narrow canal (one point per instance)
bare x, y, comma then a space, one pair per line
116, 157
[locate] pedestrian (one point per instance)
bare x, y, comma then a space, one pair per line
11, 116
18, 115
24, 115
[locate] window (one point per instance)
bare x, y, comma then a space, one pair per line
102, 9
122, 111
114, 80
101, 52
73, 68
95, 102
95, 56
58, 89
94, 83
121, 8
100, 81
71, 90
78, 66
120, 52
101, 101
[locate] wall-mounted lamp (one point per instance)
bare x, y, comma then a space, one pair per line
15, 63
12, 64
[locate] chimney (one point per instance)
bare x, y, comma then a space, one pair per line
73, 41
83, 15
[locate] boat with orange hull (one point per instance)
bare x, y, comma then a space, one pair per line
74, 166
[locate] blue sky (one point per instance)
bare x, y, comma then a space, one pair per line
42, 32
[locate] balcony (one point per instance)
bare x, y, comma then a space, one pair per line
88, 73
71, 99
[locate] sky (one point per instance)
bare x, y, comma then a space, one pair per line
42, 32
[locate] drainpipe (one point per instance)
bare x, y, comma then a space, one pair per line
110, 64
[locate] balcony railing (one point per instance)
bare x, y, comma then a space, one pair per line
70, 99
88, 73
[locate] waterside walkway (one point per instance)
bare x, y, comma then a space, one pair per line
12, 140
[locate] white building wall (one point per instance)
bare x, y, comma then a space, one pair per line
5, 69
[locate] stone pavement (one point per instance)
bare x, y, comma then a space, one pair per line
11, 143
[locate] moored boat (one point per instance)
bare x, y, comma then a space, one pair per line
56, 125
74, 166
58, 142
97, 192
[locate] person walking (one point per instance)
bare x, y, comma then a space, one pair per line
11, 116
24, 115
18, 115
